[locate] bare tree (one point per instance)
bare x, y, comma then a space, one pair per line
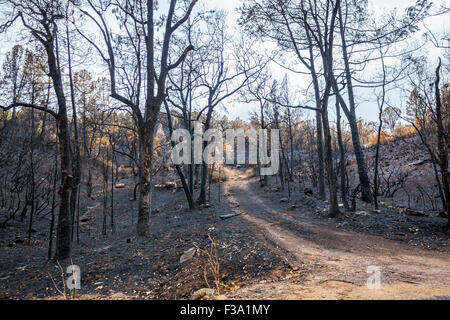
148, 85
284, 23
381, 99
259, 91
228, 69
40, 19
442, 141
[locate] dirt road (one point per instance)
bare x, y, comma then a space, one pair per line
335, 264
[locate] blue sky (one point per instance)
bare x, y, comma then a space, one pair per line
367, 108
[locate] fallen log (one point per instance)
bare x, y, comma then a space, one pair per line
443, 214
414, 213
168, 185
231, 215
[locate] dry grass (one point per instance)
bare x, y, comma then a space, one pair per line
250, 172
213, 265
219, 175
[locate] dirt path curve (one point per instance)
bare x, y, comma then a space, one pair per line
332, 264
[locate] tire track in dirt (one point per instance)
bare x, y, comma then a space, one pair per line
334, 262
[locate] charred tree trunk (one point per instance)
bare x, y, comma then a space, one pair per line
146, 134
380, 127
319, 133
291, 142
33, 183
52, 219
366, 194
342, 167
334, 207
327, 58
146, 162
263, 126
63, 241
113, 229
76, 163
442, 145
320, 165
377, 157
186, 188
204, 176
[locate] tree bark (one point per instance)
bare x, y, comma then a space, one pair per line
334, 207
186, 188
63, 241
202, 197
351, 116
76, 165
146, 162
343, 174
319, 133
442, 145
